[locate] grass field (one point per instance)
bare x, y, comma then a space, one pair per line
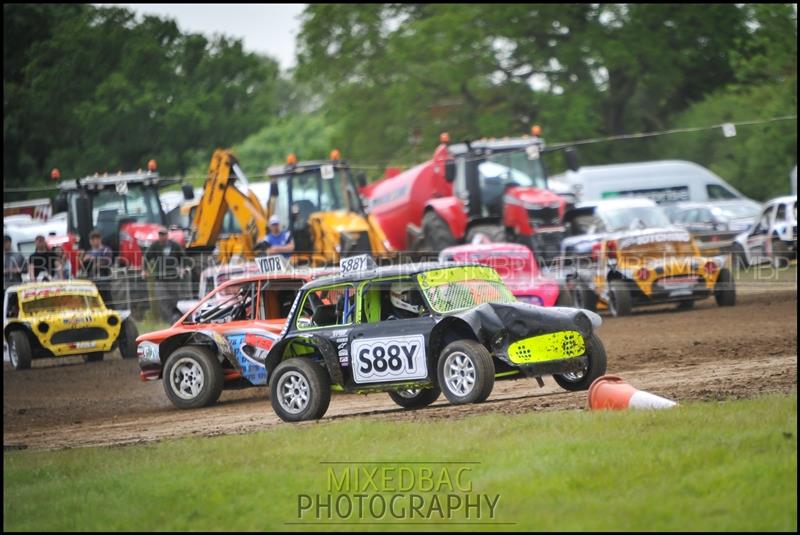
704, 466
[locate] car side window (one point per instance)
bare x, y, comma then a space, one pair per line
277, 297
717, 192
781, 214
327, 307
395, 299
763, 222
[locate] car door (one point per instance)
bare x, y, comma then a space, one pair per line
389, 345
759, 236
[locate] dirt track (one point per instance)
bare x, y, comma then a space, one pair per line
702, 354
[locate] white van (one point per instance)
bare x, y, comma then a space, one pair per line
664, 181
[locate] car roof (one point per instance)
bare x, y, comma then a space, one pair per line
304, 274
783, 200
383, 272
60, 284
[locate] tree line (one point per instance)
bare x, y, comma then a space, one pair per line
91, 88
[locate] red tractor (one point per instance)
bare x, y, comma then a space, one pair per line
497, 188
126, 210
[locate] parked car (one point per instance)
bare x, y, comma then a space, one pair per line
416, 330
714, 225
63, 318
518, 268
773, 238
664, 181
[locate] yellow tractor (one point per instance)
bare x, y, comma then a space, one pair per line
318, 201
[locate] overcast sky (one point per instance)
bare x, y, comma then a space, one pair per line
266, 28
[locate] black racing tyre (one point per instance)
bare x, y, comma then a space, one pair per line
595, 367
415, 398
300, 389
465, 372
436, 234
93, 357
193, 377
127, 339
725, 289
686, 305
19, 349
565, 298
620, 302
739, 257
494, 233
584, 297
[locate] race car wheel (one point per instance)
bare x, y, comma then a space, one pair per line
415, 398
193, 377
465, 372
619, 298
725, 289
436, 234
686, 305
93, 357
19, 350
127, 339
595, 367
584, 297
299, 390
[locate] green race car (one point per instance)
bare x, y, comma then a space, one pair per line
415, 331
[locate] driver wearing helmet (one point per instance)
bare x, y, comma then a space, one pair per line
406, 301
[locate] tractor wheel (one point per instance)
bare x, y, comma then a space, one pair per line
436, 233
493, 233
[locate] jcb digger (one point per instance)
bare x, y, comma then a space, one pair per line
317, 201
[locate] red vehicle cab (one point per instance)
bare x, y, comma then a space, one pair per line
518, 268
222, 340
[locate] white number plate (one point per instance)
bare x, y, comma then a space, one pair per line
356, 263
85, 345
377, 360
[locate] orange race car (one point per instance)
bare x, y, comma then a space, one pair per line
222, 340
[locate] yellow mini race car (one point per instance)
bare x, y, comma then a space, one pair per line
63, 318
653, 266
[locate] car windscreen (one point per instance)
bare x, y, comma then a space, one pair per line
458, 288
59, 303
635, 217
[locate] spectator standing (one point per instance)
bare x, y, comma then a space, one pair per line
277, 241
164, 260
96, 264
13, 264
43, 264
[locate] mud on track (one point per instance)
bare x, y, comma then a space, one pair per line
704, 354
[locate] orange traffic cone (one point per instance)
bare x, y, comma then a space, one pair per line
612, 392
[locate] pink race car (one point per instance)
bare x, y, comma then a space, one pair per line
517, 267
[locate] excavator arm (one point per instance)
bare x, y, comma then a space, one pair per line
226, 189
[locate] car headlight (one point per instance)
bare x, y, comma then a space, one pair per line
113, 320
148, 352
43, 327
